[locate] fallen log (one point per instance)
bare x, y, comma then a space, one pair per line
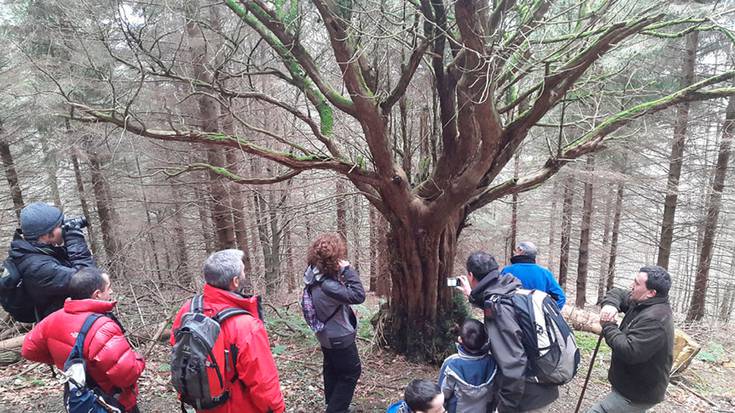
14, 343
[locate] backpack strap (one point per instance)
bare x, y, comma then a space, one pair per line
78, 350
197, 304
220, 318
336, 310
229, 313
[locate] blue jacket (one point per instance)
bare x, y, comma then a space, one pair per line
398, 407
535, 277
467, 381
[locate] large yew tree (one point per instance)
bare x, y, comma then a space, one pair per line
498, 70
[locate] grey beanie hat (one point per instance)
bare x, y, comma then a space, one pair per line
39, 218
528, 248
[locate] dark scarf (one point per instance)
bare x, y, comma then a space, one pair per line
523, 259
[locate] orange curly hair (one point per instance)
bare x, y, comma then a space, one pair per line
326, 251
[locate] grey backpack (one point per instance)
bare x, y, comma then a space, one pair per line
200, 359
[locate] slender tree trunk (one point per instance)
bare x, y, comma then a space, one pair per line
605, 258
209, 122
51, 165
552, 224
11, 175
566, 230
107, 215
341, 203
373, 249
150, 226
514, 211
182, 254
237, 201
91, 229
615, 232
203, 210
698, 304
584, 236
677, 155
357, 233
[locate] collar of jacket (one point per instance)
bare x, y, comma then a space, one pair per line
653, 300
522, 259
466, 353
493, 283
88, 305
216, 297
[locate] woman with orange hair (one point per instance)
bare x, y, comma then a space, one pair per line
332, 285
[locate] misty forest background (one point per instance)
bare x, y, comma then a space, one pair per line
182, 127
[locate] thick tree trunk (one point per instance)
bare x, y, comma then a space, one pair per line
566, 230
91, 230
605, 258
698, 305
421, 257
677, 155
584, 235
11, 175
615, 232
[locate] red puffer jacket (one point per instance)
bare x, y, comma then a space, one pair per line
258, 389
111, 361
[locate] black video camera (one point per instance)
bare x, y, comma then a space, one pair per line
74, 223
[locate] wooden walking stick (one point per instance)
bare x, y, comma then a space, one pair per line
589, 373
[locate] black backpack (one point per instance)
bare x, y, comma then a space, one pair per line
13, 296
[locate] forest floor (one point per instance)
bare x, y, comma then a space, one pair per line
707, 386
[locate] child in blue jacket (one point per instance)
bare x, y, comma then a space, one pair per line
466, 378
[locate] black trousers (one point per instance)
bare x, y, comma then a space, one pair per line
341, 369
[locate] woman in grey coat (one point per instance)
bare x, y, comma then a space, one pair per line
334, 285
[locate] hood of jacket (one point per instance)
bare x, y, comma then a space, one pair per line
493, 284
312, 275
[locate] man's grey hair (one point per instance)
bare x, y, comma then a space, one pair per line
222, 266
528, 248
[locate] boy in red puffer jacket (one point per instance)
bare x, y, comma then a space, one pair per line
111, 361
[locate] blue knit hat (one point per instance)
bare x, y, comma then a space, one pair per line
39, 218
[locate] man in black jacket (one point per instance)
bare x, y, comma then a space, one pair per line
47, 256
642, 347
516, 391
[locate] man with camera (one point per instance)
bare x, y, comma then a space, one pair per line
47, 251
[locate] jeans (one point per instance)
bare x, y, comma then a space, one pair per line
615, 402
341, 369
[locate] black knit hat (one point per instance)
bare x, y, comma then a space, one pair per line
39, 218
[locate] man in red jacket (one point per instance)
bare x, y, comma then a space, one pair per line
254, 381
111, 361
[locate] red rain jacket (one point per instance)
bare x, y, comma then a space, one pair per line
258, 389
111, 362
